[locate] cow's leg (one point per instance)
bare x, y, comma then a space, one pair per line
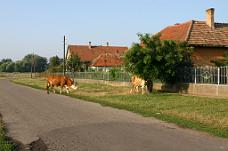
48, 85
137, 89
61, 90
143, 87
52, 87
67, 89
131, 91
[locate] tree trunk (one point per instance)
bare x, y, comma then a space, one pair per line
150, 86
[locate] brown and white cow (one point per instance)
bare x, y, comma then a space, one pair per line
62, 81
137, 83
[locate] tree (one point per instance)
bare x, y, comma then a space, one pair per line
32, 60
54, 61
221, 62
10, 67
74, 63
55, 64
40, 63
19, 66
3, 67
4, 63
5, 60
154, 59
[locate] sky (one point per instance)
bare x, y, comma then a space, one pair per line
28, 26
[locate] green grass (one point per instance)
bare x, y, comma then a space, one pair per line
200, 113
5, 144
186, 111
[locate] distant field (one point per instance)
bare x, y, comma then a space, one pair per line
200, 113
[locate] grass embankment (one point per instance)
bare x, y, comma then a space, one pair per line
5, 144
200, 113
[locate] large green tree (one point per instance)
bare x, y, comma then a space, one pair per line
55, 64
54, 61
3, 67
31, 60
19, 66
153, 59
4, 63
10, 67
5, 60
74, 63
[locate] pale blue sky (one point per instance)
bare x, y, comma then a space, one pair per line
39, 26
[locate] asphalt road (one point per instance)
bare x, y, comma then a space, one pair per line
67, 124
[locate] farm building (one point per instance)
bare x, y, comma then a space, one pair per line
101, 58
209, 39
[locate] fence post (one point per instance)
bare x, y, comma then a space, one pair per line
217, 88
195, 75
218, 76
226, 75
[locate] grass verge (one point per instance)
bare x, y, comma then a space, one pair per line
5, 144
200, 113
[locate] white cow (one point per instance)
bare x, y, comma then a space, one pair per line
137, 83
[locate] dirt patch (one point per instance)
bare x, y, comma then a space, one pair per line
37, 145
34, 146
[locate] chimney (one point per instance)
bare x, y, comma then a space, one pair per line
90, 46
107, 44
210, 18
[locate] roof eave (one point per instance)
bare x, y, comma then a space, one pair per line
206, 45
189, 30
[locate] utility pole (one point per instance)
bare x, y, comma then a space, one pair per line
64, 58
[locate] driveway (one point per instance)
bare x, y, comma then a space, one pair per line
67, 124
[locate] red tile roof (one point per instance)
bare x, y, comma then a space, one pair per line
178, 32
89, 54
107, 60
197, 33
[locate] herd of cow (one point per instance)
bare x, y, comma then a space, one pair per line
67, 83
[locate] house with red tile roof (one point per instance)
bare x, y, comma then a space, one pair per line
98, 57
209, 39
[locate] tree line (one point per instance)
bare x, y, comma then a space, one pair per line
38, 63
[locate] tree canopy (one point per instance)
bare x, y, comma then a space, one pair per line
153, 59
55, 64
40, 63
4, 63
74, 63
24, 65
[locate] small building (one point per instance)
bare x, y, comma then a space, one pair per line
209, 39
100, 58
106, 61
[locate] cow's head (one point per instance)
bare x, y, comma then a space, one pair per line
75, 85
72, 84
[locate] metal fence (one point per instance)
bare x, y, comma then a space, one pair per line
209, 75
107, 76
